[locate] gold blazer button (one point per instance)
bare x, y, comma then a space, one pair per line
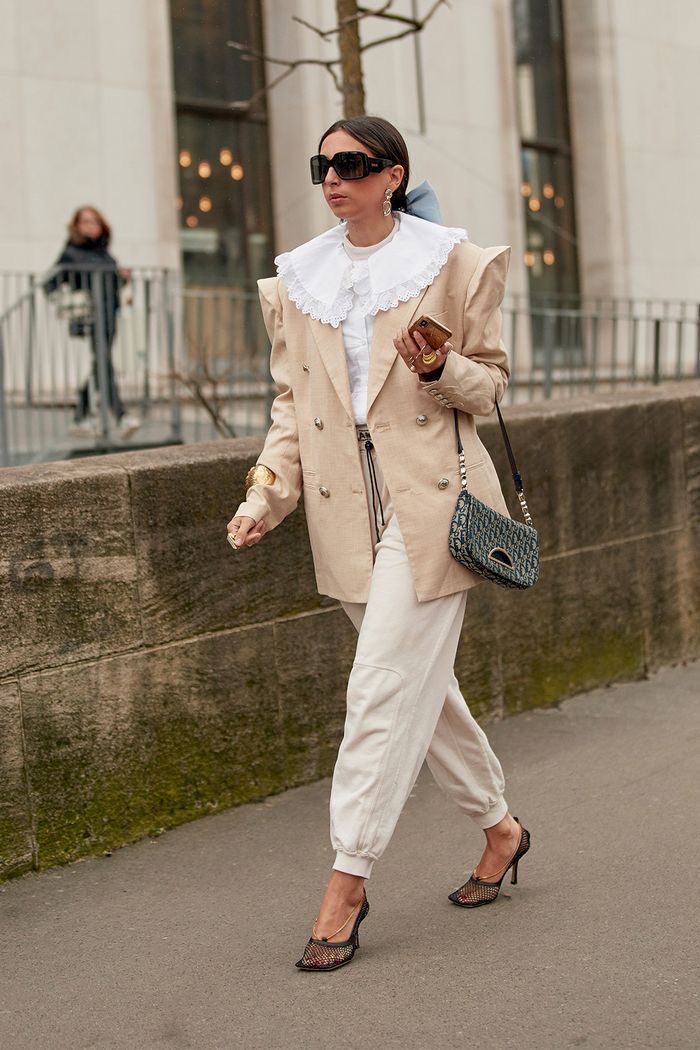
324, 491
421, 420
443, 483
318, 423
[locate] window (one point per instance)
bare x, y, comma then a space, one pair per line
223, 158
546, 188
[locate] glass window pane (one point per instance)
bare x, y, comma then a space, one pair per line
224, 204
205, 66
549, 217
541, 81
223, 158
547, 184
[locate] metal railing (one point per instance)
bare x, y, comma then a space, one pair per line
189, 365
193, 364
569, 346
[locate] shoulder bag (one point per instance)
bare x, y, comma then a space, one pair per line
490, 544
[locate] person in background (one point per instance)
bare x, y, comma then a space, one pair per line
94, 279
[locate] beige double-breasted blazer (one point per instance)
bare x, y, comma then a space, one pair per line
312, 446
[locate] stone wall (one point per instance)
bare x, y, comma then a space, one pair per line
148, 675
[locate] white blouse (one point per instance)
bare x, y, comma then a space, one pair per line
358, 324
336, 283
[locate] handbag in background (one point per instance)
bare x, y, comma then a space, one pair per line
76, 306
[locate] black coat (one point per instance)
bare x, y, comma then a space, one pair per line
89, 266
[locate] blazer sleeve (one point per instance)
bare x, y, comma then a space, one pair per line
281, 449
476, 375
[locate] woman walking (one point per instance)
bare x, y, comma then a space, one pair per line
363, 425
94, 280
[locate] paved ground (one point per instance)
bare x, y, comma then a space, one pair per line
187, 941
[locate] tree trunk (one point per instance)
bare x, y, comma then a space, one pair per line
350, 59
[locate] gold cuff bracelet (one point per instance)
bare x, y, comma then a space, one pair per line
259, 475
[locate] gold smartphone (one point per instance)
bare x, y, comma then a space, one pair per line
434, 333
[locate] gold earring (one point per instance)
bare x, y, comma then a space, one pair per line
386, 206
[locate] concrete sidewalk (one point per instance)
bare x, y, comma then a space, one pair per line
188, 940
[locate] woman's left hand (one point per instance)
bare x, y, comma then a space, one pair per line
411, 346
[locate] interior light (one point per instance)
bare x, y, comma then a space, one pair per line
529, 258
534, 204
191, 221
204, 169
525, 189
548, 257
237, 172
205, 204
548, 191
185, 158
226, 157
559, 202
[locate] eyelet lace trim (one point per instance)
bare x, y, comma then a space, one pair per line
328, 313
335, 312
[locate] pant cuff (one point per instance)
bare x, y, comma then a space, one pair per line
493, 816
353, 864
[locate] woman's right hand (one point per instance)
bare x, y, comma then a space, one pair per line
247, 531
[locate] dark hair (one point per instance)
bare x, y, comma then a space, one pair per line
383, 140
105, 229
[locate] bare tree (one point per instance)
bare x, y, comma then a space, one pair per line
346, 68
206, 385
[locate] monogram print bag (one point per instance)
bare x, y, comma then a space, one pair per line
490, 544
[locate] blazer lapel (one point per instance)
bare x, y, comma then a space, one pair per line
330, 345
329, 341
383, 352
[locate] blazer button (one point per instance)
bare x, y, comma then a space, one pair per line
305, 367
324, 491
443, 483
318, 423
421, 420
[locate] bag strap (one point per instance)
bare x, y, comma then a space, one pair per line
517, 479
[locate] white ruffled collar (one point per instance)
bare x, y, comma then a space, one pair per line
319, 275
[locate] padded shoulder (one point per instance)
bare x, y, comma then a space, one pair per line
269, 292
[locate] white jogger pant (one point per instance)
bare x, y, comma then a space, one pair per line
403, 706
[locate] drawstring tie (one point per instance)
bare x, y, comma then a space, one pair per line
374, 486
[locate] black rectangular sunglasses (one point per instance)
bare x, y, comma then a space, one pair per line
350, 164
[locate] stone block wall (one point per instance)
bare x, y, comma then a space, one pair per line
148, 675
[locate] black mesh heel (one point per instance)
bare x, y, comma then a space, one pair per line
478, 891
322, 954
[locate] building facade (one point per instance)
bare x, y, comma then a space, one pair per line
86, 117
565, 129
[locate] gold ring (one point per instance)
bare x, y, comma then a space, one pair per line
412, 367
429, 359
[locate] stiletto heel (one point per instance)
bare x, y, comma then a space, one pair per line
476, 891
322, 954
